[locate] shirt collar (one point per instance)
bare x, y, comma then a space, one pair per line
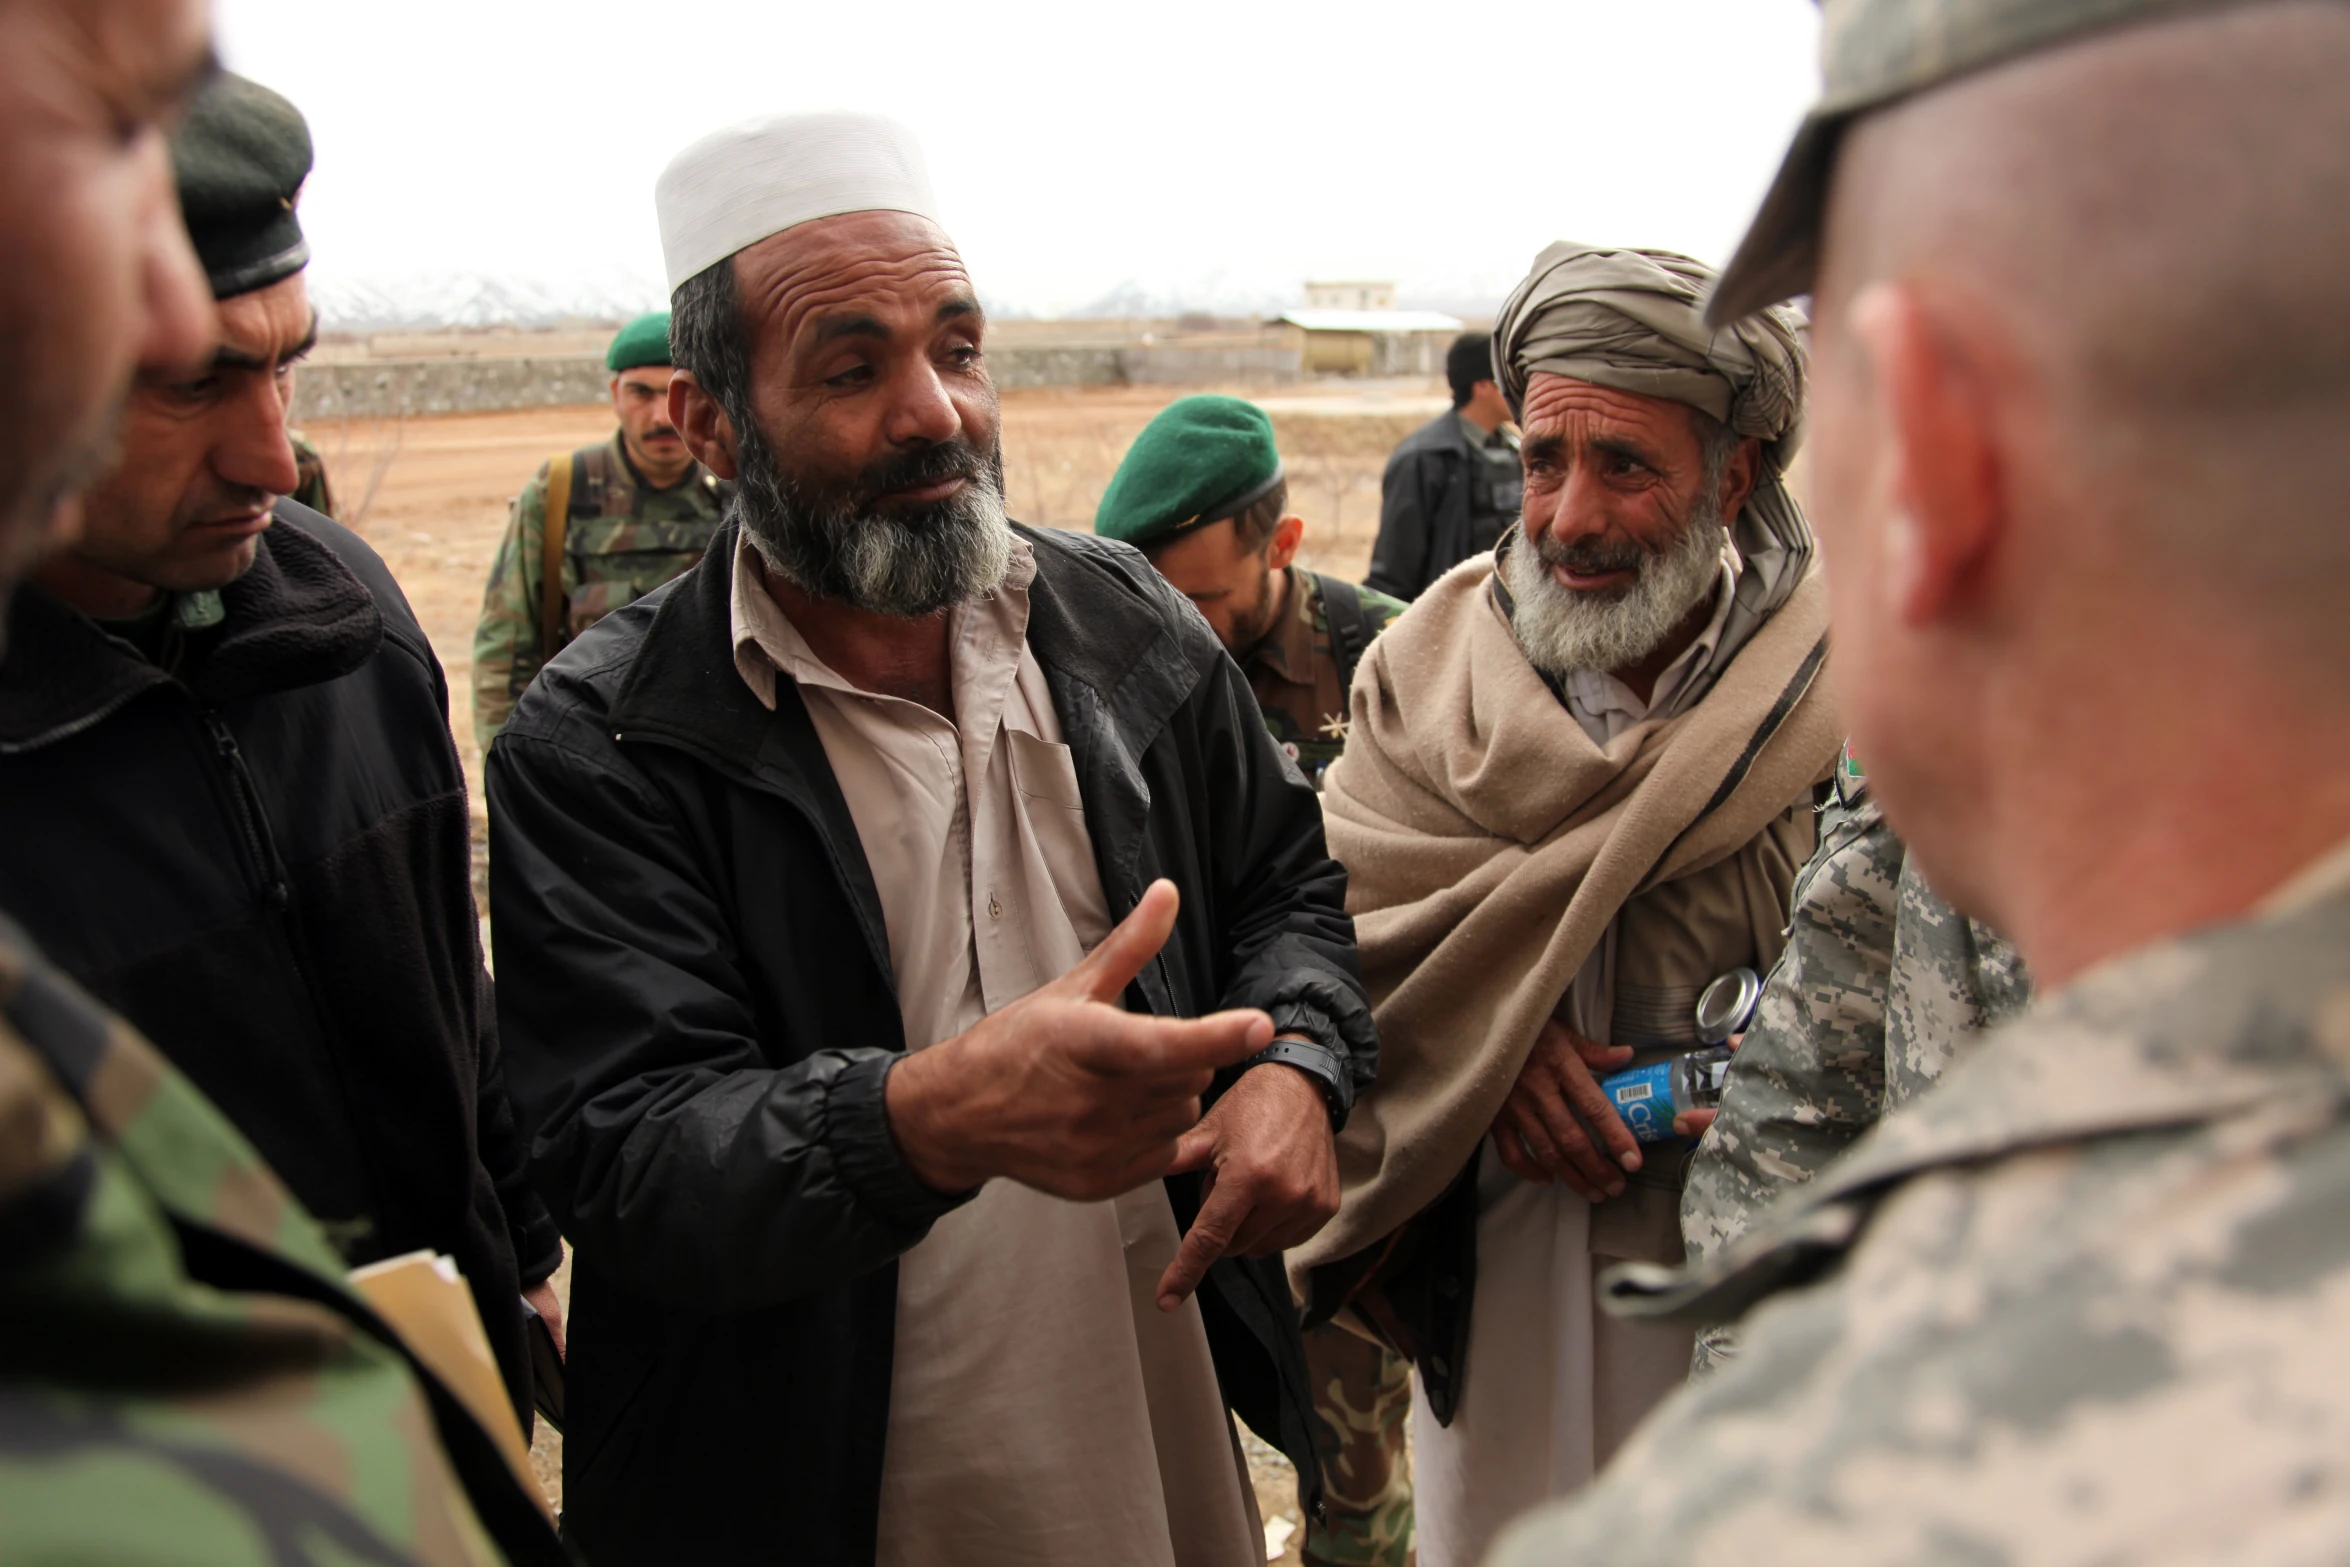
766, 643
1287, 650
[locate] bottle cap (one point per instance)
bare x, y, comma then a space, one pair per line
1727, 1005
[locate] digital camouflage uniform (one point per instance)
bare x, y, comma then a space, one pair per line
1362, 1394
313, 490
2088, 1301
1882, 983
183, 1376
623, 540
1296, 676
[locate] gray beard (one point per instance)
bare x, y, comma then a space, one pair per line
906, 562
1562, 630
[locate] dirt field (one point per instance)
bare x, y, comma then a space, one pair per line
431, 495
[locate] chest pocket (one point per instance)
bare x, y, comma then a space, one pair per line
1045, 776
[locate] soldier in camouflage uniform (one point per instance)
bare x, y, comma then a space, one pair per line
1303, 667
2088, 1299
183, 1374
1201, 492
641, 512
1881, 986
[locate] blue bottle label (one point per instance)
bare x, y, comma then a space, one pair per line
1643, 1096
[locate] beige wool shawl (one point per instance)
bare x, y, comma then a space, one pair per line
1489, 843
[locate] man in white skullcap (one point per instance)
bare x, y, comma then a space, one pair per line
859, 897
1577, 790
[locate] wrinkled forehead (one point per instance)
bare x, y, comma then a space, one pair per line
893, 270
1556, 403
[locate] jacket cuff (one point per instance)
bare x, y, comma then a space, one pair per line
1309, 1021
856, 1128
538, 1246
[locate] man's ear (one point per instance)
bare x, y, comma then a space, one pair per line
1740, 476
1936, 407
708, 433
1281, 549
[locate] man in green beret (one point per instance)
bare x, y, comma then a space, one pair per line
1202, 492
630, 514
2080, 273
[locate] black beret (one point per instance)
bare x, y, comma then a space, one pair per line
240, 161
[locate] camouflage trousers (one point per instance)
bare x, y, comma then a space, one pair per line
1362, 1399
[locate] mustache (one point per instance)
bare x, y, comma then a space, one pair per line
1592, 557
928, 465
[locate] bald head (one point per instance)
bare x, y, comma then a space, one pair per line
2081, 364
2155, 225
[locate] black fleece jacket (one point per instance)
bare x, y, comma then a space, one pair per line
699, 1012
265, 868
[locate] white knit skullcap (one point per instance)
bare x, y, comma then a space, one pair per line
735, 187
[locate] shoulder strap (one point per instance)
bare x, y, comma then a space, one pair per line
1350, 628
556, 524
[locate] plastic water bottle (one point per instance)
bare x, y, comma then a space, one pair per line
1648, 1097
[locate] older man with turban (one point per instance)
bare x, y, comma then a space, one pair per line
858, 896
1578, 788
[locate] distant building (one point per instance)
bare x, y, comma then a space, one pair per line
1350, 296
1367, 339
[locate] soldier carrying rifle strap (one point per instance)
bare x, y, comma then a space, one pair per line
552, 539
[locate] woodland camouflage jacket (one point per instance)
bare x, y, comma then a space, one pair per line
621, 542
183, 1376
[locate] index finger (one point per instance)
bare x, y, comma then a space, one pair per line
1598, 1112
1209, 1238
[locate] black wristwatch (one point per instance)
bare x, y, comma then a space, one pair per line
1316, 1063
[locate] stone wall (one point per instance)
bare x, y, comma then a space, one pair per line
406, 388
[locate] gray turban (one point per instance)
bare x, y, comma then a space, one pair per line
1633, 320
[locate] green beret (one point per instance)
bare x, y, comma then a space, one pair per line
644, 341
240, 161
1203, 459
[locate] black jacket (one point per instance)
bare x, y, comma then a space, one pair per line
699, 1013
266, 870
1433, 513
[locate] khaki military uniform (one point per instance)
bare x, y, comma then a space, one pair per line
1881, 986
1297, 671
183, 1376
2089, 1300
1362, 1394
623, 539
312, 489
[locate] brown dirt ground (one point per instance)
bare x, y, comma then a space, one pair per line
431, 495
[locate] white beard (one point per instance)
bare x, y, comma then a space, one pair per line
1562, 630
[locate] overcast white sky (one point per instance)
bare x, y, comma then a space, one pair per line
1233, 144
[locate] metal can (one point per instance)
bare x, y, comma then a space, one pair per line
1727, 1005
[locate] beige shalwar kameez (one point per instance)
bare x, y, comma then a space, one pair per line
1043, 1411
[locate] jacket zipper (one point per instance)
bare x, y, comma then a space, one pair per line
260, 849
